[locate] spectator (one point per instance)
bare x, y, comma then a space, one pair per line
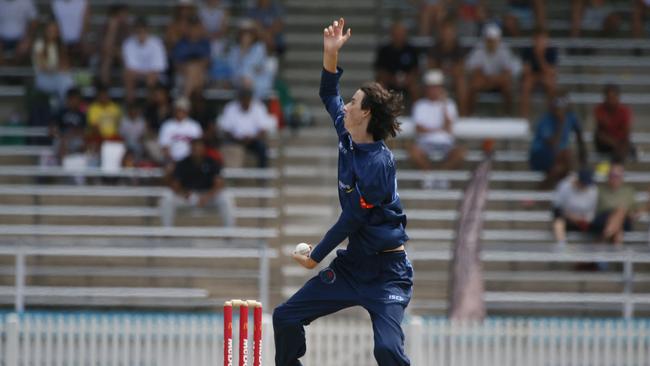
177, 132
51, 64
431, 15
549, 151
269, 16
447, 55
158, 108
613, 125
396, 63
539, 69
104, 116
183, 14
245, 121
69, 126
215, 17
132, 130
191, 56
574, 204
73, 17
523, 13
197, 183
617, 207
248, 61
434, 117
638, 17
594, 14
18, 23
145, 59
471, 16
117, 30
492, 67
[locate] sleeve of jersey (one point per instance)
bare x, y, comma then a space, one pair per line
344, 226
376, 186
331, 97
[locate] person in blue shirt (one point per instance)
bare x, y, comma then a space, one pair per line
374, 271
549, 151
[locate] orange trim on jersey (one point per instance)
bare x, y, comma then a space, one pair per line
365, 204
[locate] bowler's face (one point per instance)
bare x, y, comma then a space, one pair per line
353, 112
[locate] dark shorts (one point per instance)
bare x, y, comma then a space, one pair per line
600, 221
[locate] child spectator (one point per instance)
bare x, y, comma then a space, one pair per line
197, 182
549, 150
613, 125
191, 56
104, 116
245, 122
177, 132
396, 64
51, 63
434, 117
574, 204
492, 67
132, 130
69, 126
539, 69
18, 23
145, 59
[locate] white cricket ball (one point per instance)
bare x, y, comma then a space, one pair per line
303, 249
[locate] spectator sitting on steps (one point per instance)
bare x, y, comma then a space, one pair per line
197, 183
574, 205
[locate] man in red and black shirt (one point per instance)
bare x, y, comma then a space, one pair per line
613, 125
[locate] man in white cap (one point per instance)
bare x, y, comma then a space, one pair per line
492, 66
434, 116
177, 132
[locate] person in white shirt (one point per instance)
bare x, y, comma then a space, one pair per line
434, 116
18, 23
574, 204
73, 17
132, 129
245, 121
145, 58
492, 67
177, 132
51, 63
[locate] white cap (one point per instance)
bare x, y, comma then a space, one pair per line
492, 31
182, 103
434, 77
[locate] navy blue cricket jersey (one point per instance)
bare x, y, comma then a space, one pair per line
371, 217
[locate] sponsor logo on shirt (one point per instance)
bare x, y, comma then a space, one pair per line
396, 298
342, 148
327, 275
345, 187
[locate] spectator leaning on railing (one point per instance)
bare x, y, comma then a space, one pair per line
196, 182
18, 23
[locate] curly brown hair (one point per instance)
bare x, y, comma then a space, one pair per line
384, 106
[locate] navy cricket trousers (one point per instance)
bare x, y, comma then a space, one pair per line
383, 288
